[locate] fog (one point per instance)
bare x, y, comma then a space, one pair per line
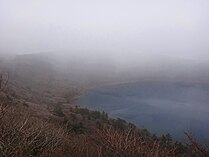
147, 37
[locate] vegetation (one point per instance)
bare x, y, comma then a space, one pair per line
4, 77
58, 111
57, 130
22, 134
198, 150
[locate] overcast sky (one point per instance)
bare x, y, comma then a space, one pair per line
125, 30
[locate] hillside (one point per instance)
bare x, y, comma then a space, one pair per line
38, 118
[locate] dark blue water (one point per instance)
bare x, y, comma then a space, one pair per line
160, 107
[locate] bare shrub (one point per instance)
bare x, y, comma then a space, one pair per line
126, 144
197, 149
22, 135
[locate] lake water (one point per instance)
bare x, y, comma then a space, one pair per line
160, 107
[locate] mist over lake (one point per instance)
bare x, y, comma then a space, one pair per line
161, 107
76, 75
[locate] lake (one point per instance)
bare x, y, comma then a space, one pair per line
161, 107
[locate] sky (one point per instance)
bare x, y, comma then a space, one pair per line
125, 31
